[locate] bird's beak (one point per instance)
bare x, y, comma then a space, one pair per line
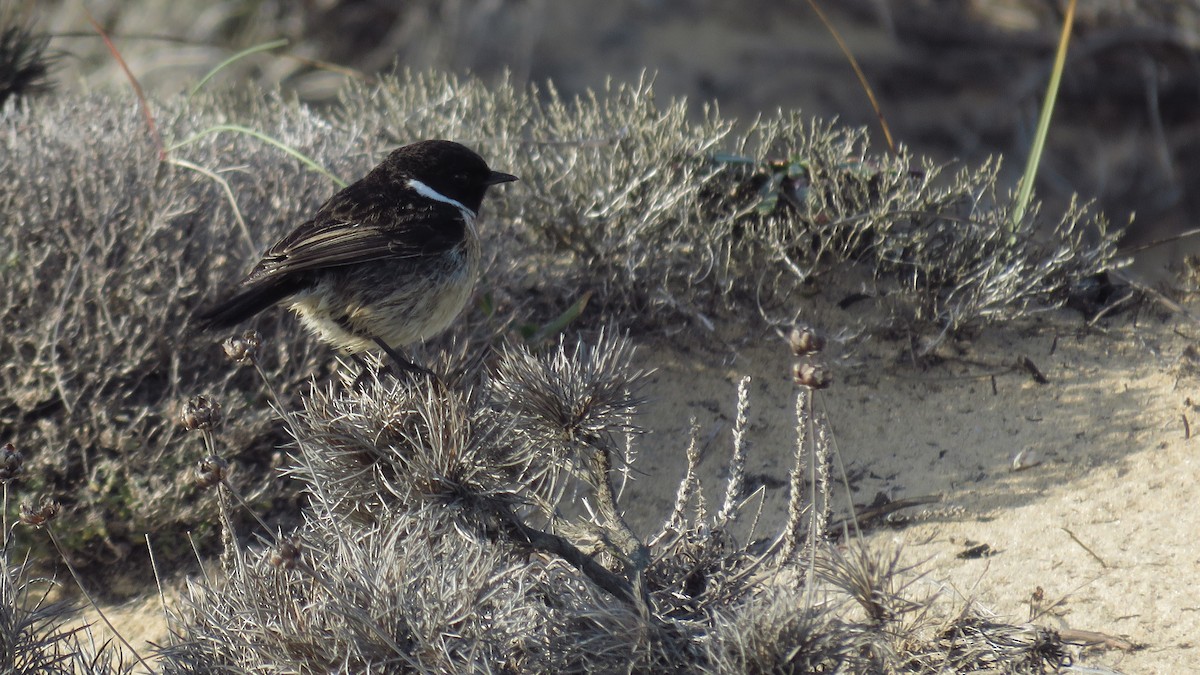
498, 177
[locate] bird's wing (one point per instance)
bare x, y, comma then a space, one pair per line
356, 228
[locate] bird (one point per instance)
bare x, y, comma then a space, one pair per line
387, 261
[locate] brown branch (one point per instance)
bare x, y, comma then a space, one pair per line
858, 72
137, 88
635, 555
556, 545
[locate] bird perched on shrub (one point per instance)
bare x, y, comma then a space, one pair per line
388, 261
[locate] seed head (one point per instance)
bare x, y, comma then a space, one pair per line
211, 470
805, 340
11, 463
286, 554
41, 515
812, 375
243, 349
200, 412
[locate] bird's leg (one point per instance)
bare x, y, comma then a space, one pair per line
404, 363
360, 382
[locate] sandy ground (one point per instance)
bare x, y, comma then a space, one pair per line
1097, 517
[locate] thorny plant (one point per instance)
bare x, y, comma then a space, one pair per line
25, 63
444, 533
36, 632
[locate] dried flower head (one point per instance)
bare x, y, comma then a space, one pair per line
211, 470
243, 349
812, 375
200, 412
805, 340
41, 515
11, 463
286, 554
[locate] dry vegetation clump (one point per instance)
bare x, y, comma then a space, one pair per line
35, 635
107, 249
109, 245
25, 62
477, 528
659, 214
443, 530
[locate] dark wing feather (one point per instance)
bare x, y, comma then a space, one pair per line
363, 223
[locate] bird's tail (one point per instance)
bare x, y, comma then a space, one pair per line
244, 304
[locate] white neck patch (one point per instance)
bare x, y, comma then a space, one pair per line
426, 191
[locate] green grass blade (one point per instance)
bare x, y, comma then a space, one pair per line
559, 323
237, 128
1039, 138
266, 46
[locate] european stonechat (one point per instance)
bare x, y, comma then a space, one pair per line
388, 261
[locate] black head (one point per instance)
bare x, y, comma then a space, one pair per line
448, 168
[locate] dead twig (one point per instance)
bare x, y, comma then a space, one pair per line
1090, 638
1085, 547
868, 514
1030, 367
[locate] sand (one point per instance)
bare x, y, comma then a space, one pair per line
1081, 488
